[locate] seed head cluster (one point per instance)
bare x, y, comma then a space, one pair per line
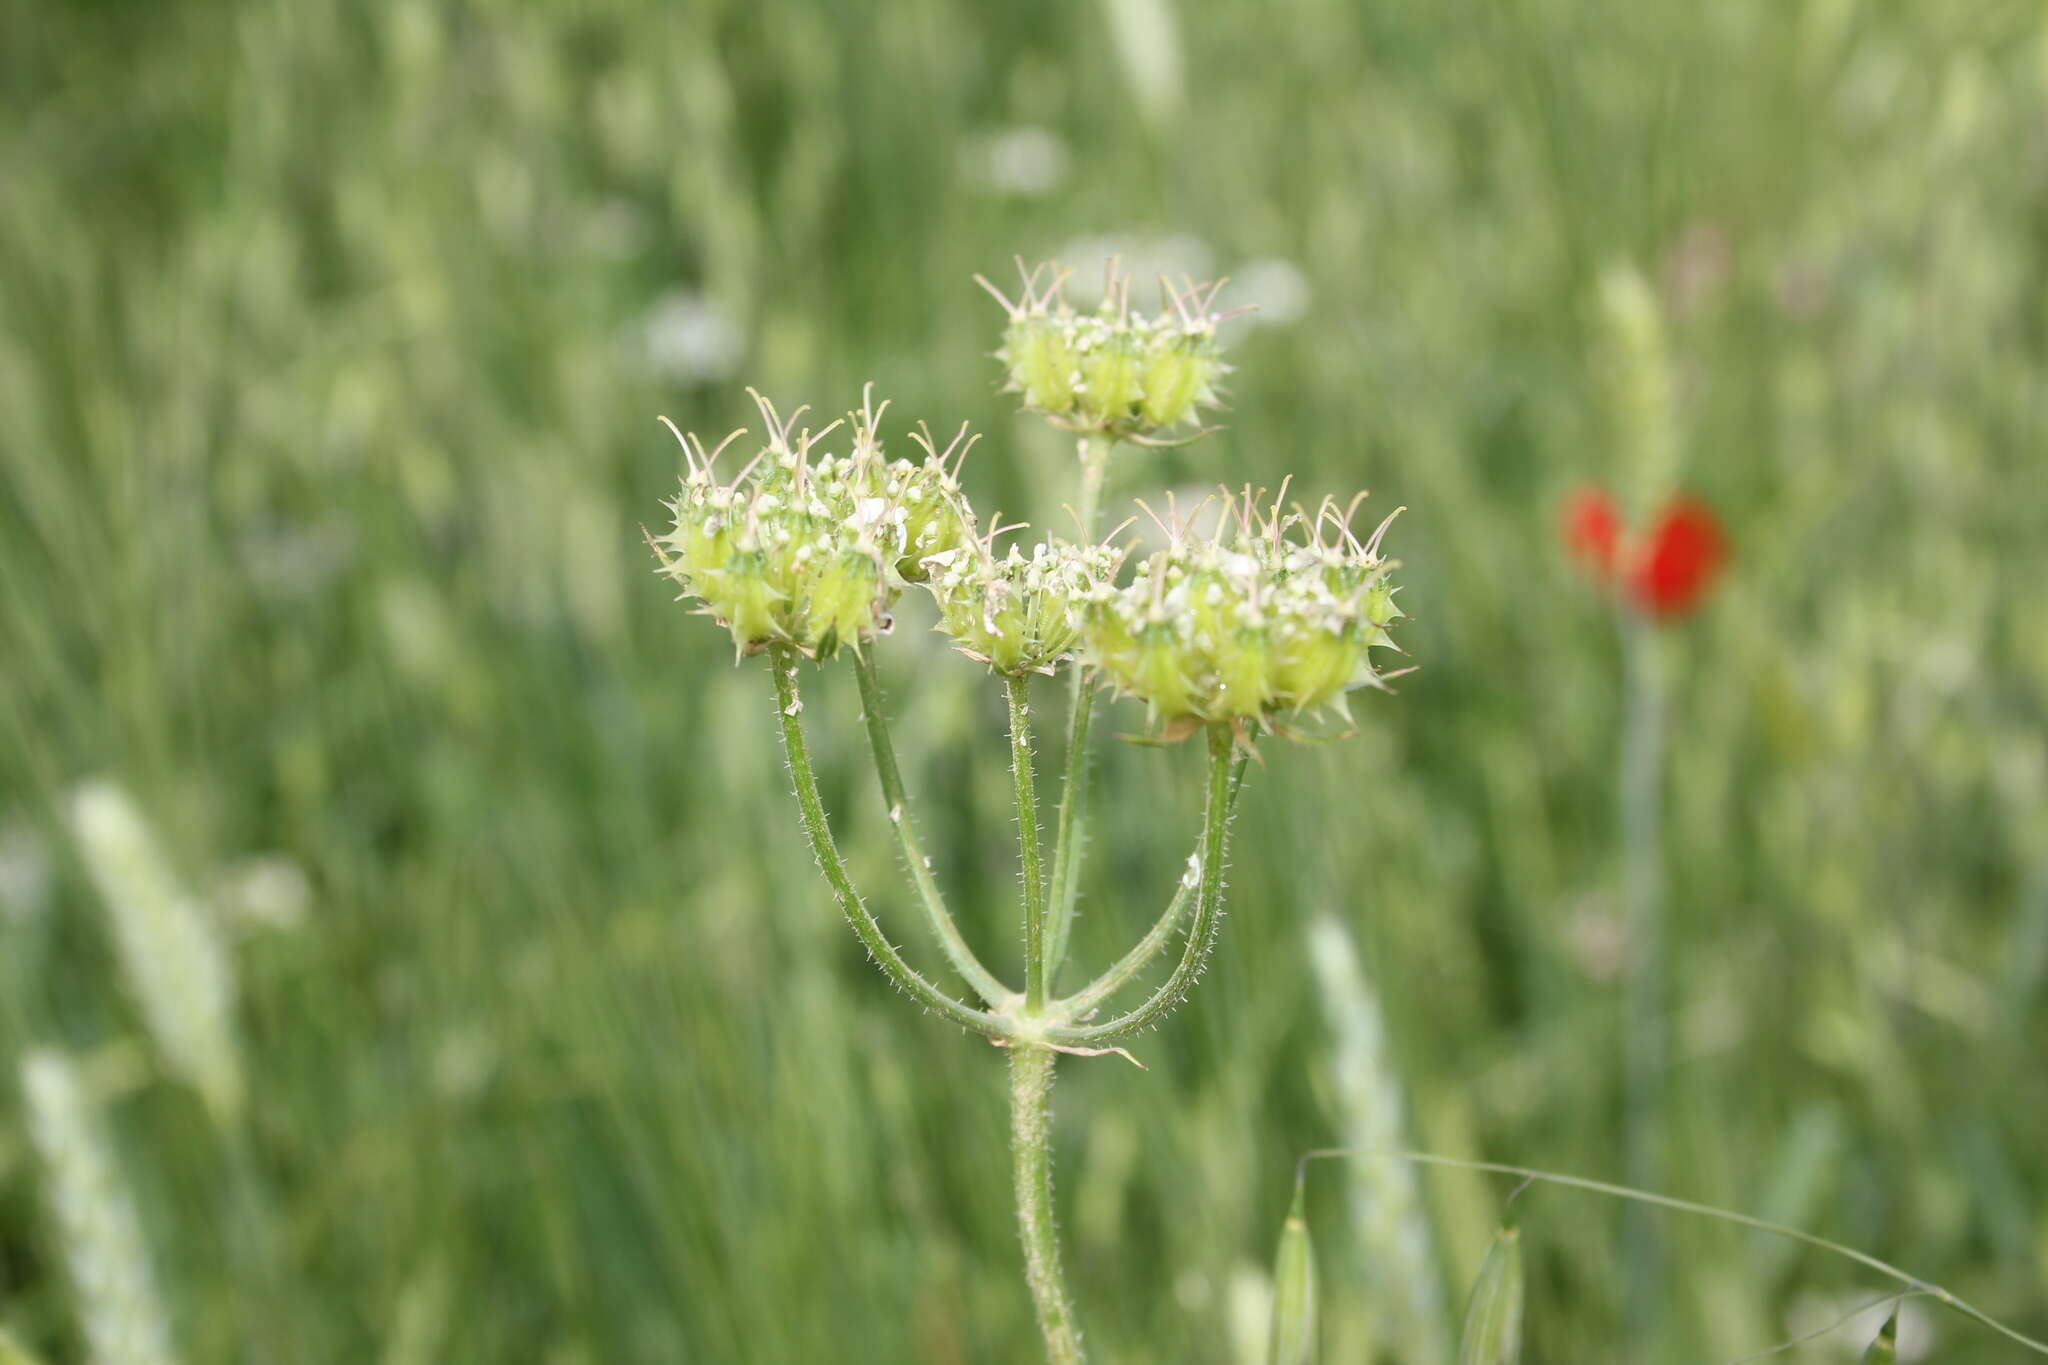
1017, 613
1114, 370
805, 549
1273, 611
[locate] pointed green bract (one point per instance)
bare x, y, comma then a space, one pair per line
1293, 1339
1884, 1348
1493, 1315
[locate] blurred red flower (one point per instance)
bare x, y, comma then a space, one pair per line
1665, 573
1592, 530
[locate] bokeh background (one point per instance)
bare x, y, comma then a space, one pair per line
499, 1014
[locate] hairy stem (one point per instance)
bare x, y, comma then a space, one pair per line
915, 862
1159, 935
1019, 689
1071, 831
1208, 909
1031, 1146
789, 709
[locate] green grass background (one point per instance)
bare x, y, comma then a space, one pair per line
325, 435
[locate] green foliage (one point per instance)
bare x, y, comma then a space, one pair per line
331, 340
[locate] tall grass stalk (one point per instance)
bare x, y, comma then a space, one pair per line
1645, 1046
1402, 1288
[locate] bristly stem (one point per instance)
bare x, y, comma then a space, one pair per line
1019, 688
915, 862
1071, 831
1208, 908
789, 709
1031, 1067
1128, 966
1642, 875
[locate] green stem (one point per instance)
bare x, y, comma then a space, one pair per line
1019, 689
1645, 1049
789, 708
915, 862
1071, 830
1140, 956
1031, 1146
1208, 909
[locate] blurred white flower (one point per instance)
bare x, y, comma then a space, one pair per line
690, 338
1026, 160
297, 560
1275, 287
268, 891
24, 873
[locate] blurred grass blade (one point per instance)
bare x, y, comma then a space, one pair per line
12, 1352
1493, 1316
1885, 1349
1294, 1289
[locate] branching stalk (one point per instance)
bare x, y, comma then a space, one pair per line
1208, 905
915, 862
1158, 936
789, 709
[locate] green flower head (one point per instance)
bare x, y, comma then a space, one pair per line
1017, 613
806, 549
1272, 612
1115, 370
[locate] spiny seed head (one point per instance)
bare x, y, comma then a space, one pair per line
1017, 613
1115, 370
1273, 612
806, 549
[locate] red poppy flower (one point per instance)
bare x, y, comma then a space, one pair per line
1592, 530
1665, 573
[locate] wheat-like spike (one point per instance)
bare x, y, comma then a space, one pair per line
170, 946
98, 1229
1404, 1297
